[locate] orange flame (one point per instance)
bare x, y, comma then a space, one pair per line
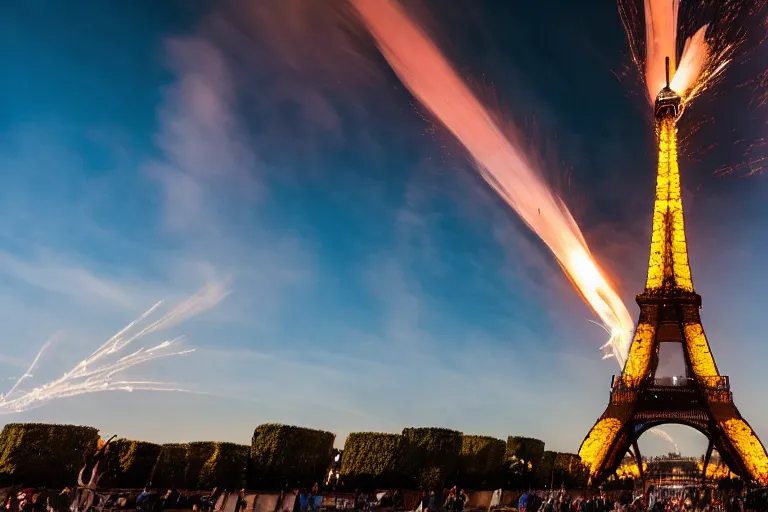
432, 80
699, 65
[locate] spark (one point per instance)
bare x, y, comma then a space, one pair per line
705, 54
506, 169
97, 372
748, 168
762, 87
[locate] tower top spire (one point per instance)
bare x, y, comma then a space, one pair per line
668, 101
668, 268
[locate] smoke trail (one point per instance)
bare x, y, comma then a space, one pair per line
660, 42
96, 373
504, 167
705, 54
665, 436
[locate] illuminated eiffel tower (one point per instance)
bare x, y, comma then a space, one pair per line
669, 313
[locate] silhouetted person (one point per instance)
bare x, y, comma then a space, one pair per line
10, 503
241, 504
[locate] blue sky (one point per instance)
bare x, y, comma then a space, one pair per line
375, 281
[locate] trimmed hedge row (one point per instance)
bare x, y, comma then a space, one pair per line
480, 461
571, 470
371, 460
562, 469
226, 467
526, 449
52, 456
431, 456
425, 458
171, 467
283, 455
545, 468
196, 457
34, 453
201, 465
129, 464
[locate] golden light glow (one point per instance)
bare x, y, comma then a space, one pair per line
595, 447
639, 360
749, 447
715, 471
631, 470
668, 262
702, 362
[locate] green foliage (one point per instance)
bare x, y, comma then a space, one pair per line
170, 470
37, 454
286, 455
544, 470
562, 469
224, 468
480, 461
431, 456
198, 454
371, 459
570, 470
522, 459
431, 477
481, 454
129, 464
527, 449
201, 466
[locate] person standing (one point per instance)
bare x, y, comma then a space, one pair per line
240, 505
534, 501
651, 497
37, 504
450, 502
424, 502
10, 503
522, 502
462, 501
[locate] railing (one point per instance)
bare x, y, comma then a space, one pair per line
718, 382
717, 388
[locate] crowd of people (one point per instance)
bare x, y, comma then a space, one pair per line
37, 500
563, 501
691, 500
450, 500
453, 501
458, 500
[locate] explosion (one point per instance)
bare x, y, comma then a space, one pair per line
431, 79
706, 52
96, 373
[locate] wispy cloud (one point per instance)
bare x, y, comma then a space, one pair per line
73, 282
10, 360
200, 137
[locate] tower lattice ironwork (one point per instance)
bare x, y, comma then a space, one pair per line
669, 313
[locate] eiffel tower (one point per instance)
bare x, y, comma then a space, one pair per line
669, 313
